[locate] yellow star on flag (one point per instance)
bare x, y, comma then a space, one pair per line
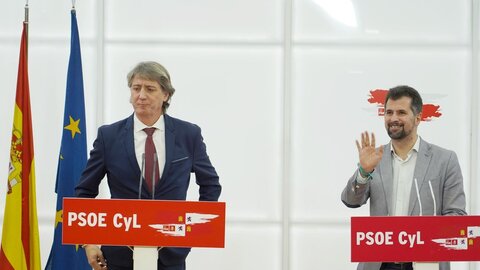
73, 126
58, 217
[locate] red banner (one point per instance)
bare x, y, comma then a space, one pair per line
143, 223
419, 239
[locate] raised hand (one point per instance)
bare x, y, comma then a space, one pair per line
368, 155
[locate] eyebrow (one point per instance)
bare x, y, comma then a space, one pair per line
399, 110
146, 85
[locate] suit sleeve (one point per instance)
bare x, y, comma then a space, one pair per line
210, 189
354, 194
205, 174
453, 202
94, 171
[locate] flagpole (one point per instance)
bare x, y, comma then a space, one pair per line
25, 22
73, 7
26, 12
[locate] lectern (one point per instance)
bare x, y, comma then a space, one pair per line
144, 225
424, 240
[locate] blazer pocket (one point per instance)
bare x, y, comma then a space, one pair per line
179, 159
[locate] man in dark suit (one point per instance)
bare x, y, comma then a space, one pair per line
408, 176
119, 152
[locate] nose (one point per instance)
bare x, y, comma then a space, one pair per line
142, 93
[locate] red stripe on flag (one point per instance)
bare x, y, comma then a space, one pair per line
4, 261
23, 102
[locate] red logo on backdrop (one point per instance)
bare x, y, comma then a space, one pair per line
378, 96
421, 239
143, 222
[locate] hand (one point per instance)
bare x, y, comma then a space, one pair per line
369, 156
95, 257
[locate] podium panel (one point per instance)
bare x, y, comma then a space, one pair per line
415, 238
144, 223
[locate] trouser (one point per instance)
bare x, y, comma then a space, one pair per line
396, 266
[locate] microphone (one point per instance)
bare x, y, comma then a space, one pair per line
155, 162
142, 169
431, 192
418, 196
433, 197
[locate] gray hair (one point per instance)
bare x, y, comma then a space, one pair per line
153, 71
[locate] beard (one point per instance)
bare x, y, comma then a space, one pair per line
399, 134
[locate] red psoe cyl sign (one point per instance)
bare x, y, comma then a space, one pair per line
143, 223
418, 239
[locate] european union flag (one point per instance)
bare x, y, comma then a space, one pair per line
72, 160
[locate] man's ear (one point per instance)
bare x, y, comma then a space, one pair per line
418, 118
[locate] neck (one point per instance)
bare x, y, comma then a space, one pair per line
403, 146
149, 120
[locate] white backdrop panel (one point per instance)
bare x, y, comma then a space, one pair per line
45, 228
48, 19
329, 247
248, 246
439, 21
239, 20
234, 95
330, 110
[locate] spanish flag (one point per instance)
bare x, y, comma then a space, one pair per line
20, 239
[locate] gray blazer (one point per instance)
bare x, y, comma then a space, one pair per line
436, 165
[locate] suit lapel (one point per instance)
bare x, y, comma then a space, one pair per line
423, 161
129, 144
169, 146
386, 172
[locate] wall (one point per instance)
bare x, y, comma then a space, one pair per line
280, 90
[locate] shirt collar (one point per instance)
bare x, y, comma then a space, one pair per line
415, 148
139, 126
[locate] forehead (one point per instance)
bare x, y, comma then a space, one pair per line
139, 80
403, 103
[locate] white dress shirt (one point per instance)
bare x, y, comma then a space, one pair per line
403, 171
139, 137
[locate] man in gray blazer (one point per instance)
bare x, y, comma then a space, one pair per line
392, 175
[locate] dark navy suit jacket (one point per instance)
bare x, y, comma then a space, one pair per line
113, 155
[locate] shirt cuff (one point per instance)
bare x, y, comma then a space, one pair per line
362, 180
